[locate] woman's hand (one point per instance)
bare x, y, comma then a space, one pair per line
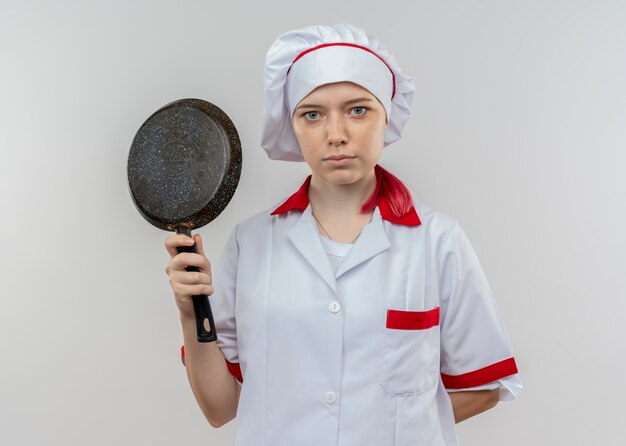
187, 283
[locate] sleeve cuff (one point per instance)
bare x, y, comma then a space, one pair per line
509, 387
480, 377
235, 369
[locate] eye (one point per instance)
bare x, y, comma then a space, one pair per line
358, 110
311, 115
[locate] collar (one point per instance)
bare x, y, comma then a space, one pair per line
300, 201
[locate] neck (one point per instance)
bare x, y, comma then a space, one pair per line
340, 200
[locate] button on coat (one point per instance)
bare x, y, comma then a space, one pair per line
334, 307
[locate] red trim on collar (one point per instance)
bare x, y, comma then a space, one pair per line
300, 201
409, 219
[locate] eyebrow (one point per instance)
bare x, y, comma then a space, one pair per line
351, 101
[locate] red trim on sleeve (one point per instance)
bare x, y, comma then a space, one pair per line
482, 376
412, 320
182, 354
235, 370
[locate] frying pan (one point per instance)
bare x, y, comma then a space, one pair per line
183, 168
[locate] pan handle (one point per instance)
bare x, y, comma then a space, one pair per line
201, 307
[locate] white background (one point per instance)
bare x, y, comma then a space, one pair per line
518, 131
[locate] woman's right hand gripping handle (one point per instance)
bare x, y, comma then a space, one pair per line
186, 284
215, 389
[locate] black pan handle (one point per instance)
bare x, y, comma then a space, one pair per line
201, 306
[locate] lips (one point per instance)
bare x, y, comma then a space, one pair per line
338, 157
339, 161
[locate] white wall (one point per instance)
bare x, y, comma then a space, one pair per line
518, 131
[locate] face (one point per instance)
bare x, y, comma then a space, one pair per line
340, 128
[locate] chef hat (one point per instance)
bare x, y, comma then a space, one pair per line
301, 60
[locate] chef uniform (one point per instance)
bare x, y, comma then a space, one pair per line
352, 344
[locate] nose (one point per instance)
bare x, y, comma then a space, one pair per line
337, 132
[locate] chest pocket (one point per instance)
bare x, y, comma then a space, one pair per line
411, 353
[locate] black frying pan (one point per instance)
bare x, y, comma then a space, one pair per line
183, 168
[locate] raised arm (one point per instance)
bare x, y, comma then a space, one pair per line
213, 386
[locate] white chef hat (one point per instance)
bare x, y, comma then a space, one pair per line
301, 60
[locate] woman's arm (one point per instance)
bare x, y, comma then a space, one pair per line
215, 389
466, 404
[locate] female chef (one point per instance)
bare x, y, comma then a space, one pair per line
350, 313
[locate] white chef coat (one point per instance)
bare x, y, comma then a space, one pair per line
337, 252
362, 356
